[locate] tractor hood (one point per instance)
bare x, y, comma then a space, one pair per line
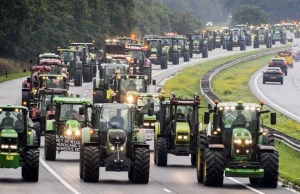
9, 133
149, 118
241, 133
182, 127
153, 50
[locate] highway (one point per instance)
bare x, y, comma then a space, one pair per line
62, 176
283, 98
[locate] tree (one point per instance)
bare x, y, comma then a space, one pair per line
251, 14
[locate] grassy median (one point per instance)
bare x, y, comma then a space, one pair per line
13, 76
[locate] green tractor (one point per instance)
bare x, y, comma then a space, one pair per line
246, 32
198, 44
118, 146
237, 143
63, 133
71, 59
169, 43
183, 46
262, 36
17, 141
157, 53
101, 85
278, 34
210, 36
177, 130
218, 39
225, 31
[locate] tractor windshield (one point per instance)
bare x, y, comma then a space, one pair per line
70, 111
47, 100
144, 104
12, 119
277, 28
136, 85
154, 44
196, 37
115, 118
235, 33
67, 56
180, 42
53, 82
167, 42
111, 71
136, 54
261, 31
119, 61
240, 118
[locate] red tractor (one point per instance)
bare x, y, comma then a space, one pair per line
138, 62
54, 64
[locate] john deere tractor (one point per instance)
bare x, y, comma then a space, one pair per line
169, 43
198, 44
236, 142
157, 53
183, 46
17, 142
236, 38
278, 34
262, 36
101, 85
246, 32
177, 130
63, 133
71, 59
116, 144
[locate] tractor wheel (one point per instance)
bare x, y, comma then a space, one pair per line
175, 59
273, 41
271, 138
37, 129
210, 46
78, 78
185, 57
94, 70
248, 42
193, 159
87, 74
25, 98
213, 168
50, 146
253, 181
191, 54
242, 43
141, 165
99, 96
162, 151
91, 163
229, 46
81, 162
224, 45
269, 162
204, 52
30, 169
163, 62
203, 144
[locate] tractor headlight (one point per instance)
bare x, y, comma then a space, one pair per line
147, 124
77, 133
185, 137
248, 141
13, 147
179, 136
152, 124
122, 148
112, 148
4, 146
69, 132
238, 141
130, 99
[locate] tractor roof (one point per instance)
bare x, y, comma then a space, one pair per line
153, 95
51, 61
134, 48
153, 39
48, 55
114, 105
67, 50
82, 44
72, 100
12, 107
128, 76
53, 75
240, 103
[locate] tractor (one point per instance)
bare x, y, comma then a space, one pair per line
127, 40
218, 39
169, 43
210, 36
17, 141
115, 143
144, 101
225, 31
236, 142
63, 132
198, 44
236, 38
101, 85
157, 53
246, 32
147, 37
138, 62
183, 46
71, 59
278, 34
112, 47
176, 131
290, 30
31, 85
41, 109
54, 64
263, 36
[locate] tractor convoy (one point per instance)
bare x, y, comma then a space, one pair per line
113, 129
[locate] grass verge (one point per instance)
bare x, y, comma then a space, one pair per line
13, 76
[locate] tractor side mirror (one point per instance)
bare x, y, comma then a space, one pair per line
153, 82
206, 117
81, 111
273, 118
135, 60
28, 79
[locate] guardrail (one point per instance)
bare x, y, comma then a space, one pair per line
210, 96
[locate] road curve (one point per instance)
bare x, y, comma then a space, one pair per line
62, 176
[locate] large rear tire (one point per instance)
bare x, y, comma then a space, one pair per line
229, 46
37, 129
87, 74
50, 146
162, 151
30, 169
99, 96
204, 52
78, 78
91, 163
141, 165
163, 62
213, 168
269, 162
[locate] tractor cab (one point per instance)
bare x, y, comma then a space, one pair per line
113, 47
127, 40
53, 81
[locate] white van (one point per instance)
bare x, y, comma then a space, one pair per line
295, 46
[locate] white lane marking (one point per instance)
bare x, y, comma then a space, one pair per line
87, 91
167, 190
59, 178
295, 79
248, 187
270, 102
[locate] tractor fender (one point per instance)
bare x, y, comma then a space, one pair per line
31, 138
137, 145
49, 126
266, 148
156, 130
216, 146
85, 135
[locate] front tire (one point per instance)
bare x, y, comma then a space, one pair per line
141, 165
87, 74
78, 78
50, 147
213, 168
269, 162
202, 145
99, 96
91, 163
30, 169
162, 151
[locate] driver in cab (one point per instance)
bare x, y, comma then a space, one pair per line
7, 121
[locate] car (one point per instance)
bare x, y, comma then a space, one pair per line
273, 74
279, 62
209, 24
297, 56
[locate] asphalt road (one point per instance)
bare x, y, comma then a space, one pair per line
283, 98
62, 176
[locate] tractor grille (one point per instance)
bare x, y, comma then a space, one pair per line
182, 142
